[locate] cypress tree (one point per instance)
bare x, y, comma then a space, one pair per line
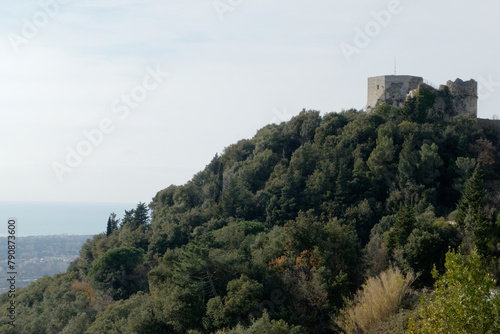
470, 206
470, 217
112, 224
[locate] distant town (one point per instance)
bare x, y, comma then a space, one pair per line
42, 255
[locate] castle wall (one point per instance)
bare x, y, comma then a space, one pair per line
493, 124
464, 96
461, 100
376, 92
390, 89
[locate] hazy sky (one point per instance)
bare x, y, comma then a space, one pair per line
76, 69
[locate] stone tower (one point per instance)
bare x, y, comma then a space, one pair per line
464, 96
390, 89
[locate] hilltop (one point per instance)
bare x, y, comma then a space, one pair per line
274, 234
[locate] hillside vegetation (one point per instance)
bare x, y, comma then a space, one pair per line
275, 235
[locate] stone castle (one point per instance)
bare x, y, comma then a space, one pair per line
395, 89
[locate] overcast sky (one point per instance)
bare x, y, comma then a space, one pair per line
98, 69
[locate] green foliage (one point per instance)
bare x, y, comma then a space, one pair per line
194, 264
332, 251
141, 216
265, 325
464, 300
308, 208
470, 206
381, 159
119, 272
112, 224
399, 233
408, 162
180, 310
243, 295
419, 108
49, 305
430, 163
252, 227
134, 315
423, 250
464, 168
470, 217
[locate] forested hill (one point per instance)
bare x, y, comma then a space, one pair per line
275, 233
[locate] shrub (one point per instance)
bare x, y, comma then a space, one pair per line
464, 300
377, 300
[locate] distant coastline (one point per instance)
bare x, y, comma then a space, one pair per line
60, 218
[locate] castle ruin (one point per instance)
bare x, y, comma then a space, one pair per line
390, 89
395, 89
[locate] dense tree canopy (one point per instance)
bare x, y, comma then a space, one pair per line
280, 229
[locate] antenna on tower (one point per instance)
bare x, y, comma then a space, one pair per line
395, 65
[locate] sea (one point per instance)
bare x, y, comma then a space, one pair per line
59, 218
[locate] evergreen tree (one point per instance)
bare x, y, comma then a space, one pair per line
341, 189
470, 206
219, 182
409, 108
399, 233
194, 268
141, 216
430, 164
408, 160
128, 218
135, 218
381, 160
117, 272
112, 224
464, 169
470, 217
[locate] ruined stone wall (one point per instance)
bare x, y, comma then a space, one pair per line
398, 87
464, 96
394, 90
376, 92
390, 89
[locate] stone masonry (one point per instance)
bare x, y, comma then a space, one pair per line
395, 89
464, 95
390, 89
